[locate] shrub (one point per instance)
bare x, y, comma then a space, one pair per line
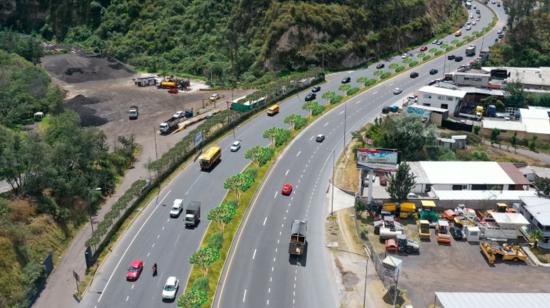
393, 65
413, 64
370, 82
216, 241
385, 75
426, 58
336, 99
399, 69
201, 284
352, 91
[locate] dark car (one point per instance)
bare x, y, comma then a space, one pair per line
346, 80
458, 58
433, 71
432, 82
413, 75
450, 57
320, 138
310, 97
316, 89
380, 66
457, 233
386, 110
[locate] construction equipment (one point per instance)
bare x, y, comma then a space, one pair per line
479, 111
423, 229
406, 246
428, 211
442, 234
298, 244
506, 252
391, 246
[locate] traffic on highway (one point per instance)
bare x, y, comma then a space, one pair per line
278, 258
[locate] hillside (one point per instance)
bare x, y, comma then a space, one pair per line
527, 43
224, 38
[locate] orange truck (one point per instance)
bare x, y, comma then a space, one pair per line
442, 234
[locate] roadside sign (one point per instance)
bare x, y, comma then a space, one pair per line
198, 138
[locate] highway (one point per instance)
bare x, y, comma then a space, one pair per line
260, 270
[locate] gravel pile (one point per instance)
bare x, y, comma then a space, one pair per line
75, 68
87, 115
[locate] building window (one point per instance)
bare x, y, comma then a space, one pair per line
427, 105
457, 187
450, 99
444, 106
479, 187
428, 188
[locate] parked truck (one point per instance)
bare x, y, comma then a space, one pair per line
193, 214
298, 243
169, 125
145, 81
471, 51
133, 112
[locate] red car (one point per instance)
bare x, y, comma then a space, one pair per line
423, 48
135, 269
287, 189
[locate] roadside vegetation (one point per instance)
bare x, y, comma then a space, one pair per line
527, 41
58, 171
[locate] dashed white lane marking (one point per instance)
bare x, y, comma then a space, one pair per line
272, 269
127, 298
278, 241
341, 112
133, 285
162, 228
275, 196
269, 291
148, 254
325, 125
254, 255
356, 103
168, 219
298, 154
286, 173
158, 236
244, 296
375, 92
282, 225
265, 220
267, 302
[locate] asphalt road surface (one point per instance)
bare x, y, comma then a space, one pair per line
260, 270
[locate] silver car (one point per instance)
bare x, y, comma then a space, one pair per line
397, 91
235, 146
170, 288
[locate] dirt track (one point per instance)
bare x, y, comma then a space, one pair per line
101, 91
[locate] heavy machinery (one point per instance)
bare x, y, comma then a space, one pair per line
298, 244
506, 252
442, 234
407, 246
423, 229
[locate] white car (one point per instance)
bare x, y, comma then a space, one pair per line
474, 23
214, 97
468, 28
177, 208
397, 91
235, 146
178, 114
404, 56
170, 288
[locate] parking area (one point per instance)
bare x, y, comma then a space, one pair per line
459, 267
102, 90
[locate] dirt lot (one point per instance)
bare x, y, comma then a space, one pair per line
461, 268
101, 91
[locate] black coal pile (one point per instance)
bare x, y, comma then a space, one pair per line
81, 105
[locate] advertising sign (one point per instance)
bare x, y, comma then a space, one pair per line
377, 158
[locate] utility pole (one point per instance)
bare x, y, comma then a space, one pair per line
365, 288
345, 120
156, 158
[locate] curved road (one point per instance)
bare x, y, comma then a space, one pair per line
259, 272
155, 237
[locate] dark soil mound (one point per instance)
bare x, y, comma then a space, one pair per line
87, 115
75, 68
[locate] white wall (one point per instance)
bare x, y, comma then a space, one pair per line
439, 101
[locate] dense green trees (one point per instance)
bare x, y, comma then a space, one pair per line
229, 39
527, 42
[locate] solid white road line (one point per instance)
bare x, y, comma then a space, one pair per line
126, 251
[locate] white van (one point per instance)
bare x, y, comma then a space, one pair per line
177, 208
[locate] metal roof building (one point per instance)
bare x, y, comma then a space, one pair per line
491, 300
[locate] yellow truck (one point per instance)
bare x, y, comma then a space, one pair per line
423, 229
406, 209
273, 110
506, 252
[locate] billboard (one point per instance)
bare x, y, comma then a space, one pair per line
377, 158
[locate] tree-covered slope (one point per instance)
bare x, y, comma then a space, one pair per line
225, 38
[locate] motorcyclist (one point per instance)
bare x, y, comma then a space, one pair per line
155, 269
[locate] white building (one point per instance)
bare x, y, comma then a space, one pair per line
466, 175
531, 78
537, 212
534, 121
490, 300
439, 97
505, 226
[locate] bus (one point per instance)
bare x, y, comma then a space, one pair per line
209, 158
273, 110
